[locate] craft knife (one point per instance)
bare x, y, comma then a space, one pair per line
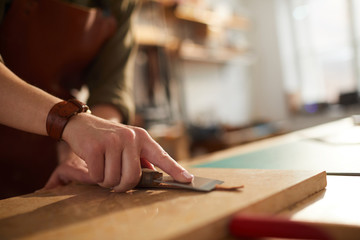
151, 178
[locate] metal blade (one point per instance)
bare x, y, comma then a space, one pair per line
198, 183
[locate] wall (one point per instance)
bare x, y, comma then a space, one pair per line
268, 95
216, 92
241, 91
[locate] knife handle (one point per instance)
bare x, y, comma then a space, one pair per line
147, 178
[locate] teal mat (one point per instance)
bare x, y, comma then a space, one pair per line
301, 155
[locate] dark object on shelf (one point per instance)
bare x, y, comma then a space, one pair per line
349, 98
205, 139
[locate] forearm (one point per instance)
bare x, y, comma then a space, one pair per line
23, 106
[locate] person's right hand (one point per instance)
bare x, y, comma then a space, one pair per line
113, 151
72, 168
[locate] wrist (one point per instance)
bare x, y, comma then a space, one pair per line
77, 125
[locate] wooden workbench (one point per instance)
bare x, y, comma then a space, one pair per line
90, 212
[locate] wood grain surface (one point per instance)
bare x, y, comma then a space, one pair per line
91, 212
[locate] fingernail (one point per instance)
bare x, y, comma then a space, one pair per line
187, 175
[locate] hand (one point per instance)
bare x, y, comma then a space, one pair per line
73, 169
113, 151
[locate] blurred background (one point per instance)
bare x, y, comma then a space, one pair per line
212, 74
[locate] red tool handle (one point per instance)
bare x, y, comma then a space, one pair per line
260, 227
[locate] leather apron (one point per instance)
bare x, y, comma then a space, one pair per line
49, 44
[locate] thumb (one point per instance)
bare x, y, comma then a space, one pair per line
64, 174
53, 181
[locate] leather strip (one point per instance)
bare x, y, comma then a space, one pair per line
60, 114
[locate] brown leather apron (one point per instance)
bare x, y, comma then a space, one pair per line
49, 44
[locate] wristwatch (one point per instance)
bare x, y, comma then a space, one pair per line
60, 114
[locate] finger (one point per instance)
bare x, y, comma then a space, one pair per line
155, 154
146, 164
96, 166
65, 174
80, 175
130, 170
112, 168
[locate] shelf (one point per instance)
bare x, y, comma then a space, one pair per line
208, 17
166, 3
154, 36
195, 52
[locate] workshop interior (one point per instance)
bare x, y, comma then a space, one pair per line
211, 75
258, 99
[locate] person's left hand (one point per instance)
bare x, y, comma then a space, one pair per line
71, 168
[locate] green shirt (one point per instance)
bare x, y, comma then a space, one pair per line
110, 75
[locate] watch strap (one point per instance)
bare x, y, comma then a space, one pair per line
60, 114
